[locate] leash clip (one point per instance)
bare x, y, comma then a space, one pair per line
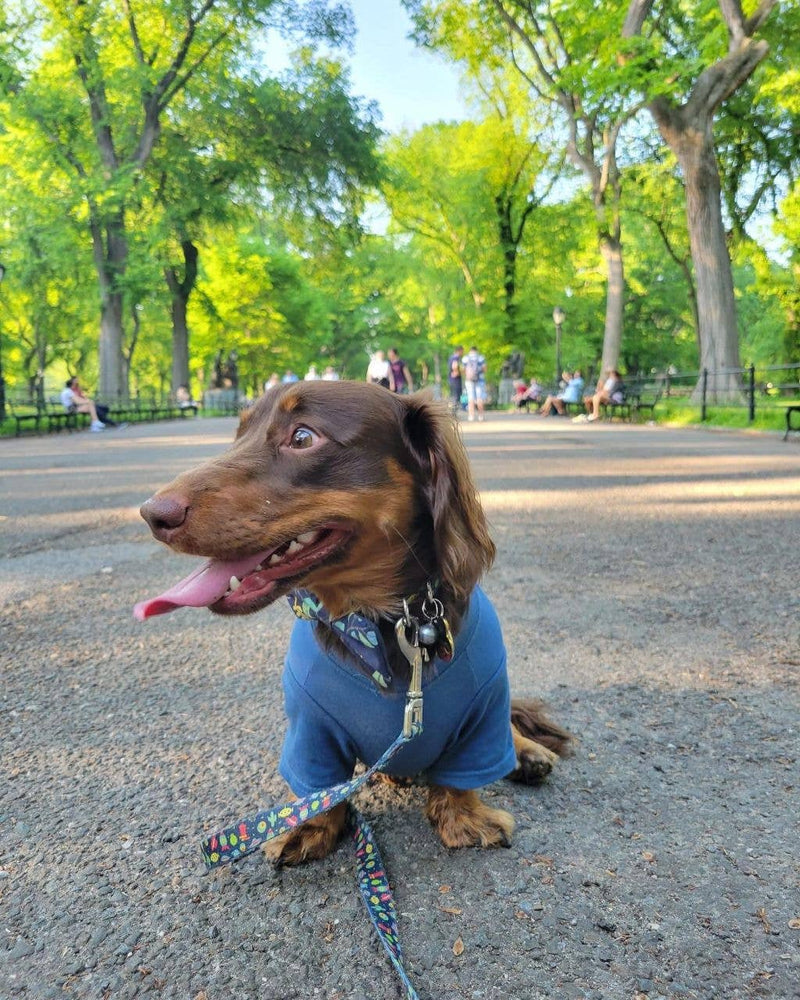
412, 719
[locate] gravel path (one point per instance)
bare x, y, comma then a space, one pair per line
648, 582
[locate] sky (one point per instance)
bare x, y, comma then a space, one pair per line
411, 85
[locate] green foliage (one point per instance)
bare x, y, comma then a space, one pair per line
272, 179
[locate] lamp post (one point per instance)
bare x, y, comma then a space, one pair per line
558, 318
2, 380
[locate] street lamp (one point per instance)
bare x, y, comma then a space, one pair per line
2, 380
558, 318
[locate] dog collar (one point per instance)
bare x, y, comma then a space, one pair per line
360, 634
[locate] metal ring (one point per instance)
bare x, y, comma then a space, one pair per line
438, 608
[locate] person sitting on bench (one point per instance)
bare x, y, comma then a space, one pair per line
74, 400
571, 393
610, 392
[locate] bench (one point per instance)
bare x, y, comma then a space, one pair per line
790, 409
57, 418
138, 410
645, 401
622, 410
23, 420
50, 417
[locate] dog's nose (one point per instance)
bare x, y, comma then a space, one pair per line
164, 515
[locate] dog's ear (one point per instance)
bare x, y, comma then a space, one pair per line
464, 549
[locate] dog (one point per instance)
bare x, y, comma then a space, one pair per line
360, 504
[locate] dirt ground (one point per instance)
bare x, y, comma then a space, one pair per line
647, 579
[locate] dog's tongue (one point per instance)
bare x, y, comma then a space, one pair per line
199, 589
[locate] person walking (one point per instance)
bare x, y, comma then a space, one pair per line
475, 380
455, 378
400, 379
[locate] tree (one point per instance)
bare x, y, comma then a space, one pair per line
563, 53
299, 144
684, 96
469, 190
98, 78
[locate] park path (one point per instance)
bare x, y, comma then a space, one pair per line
648, 583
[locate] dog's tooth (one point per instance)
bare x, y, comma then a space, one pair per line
258, 568
274, 559
308, 537
293, 547
235, 583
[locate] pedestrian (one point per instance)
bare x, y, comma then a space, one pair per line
455, 378
475, 379
400, 379
311, 375
378, 370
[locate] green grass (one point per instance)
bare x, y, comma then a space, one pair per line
680, 413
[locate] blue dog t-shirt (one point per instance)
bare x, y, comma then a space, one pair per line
337, 716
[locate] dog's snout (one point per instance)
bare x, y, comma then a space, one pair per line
164, 515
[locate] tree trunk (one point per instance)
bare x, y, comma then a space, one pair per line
180, 291
509, 248
688, 131
611, 250
718, 335
110, 381
110, 259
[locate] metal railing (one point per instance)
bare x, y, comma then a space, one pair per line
754, 387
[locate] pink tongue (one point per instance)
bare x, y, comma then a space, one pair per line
204, 586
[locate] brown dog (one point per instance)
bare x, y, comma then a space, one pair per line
344, 495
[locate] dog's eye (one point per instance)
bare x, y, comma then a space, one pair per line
302, 437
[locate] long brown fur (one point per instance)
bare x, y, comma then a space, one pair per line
397, 474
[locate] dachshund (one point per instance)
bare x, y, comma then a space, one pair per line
359, 505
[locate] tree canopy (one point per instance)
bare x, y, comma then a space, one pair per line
168, 195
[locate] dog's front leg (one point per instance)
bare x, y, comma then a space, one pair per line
462, 820
315, 839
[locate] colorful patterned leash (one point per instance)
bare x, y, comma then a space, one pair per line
250, 833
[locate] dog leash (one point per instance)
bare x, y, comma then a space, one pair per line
250, 833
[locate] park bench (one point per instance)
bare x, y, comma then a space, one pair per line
622, 410
23, 418
50, 416
139, 410
645, 400
57, 418
791, 405
790, 409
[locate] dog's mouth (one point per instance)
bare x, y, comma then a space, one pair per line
241, 586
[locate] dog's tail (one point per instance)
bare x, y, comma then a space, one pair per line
531, 721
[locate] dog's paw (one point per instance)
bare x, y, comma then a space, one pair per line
534, 762
462, 820
309, 842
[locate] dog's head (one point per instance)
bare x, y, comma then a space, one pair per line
342, 488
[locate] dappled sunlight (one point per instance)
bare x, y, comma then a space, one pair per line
727, 497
